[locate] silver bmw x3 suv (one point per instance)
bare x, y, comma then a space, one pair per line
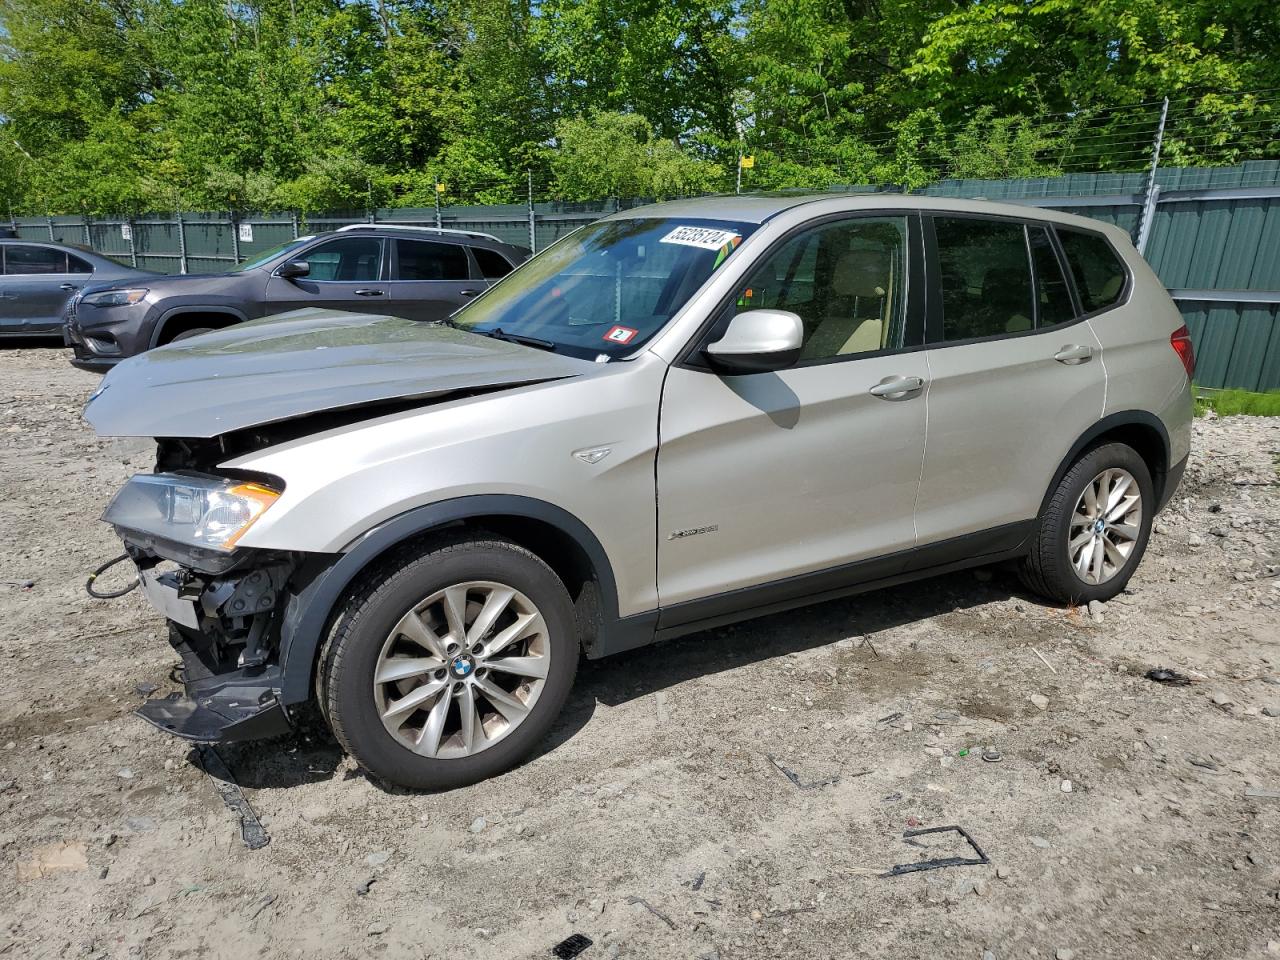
680, 416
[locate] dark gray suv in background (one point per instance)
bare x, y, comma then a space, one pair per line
418, 273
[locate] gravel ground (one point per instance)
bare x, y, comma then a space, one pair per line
659, 821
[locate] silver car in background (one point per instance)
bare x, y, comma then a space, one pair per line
680, 416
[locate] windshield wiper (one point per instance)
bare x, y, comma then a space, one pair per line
499, 334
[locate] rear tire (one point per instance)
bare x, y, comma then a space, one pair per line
450, 663
1094, 530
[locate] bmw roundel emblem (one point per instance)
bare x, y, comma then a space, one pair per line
462, 666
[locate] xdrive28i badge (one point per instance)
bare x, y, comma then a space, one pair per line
693, 531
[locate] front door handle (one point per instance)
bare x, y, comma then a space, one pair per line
367, 292
467, 293
897, 388
1074, 353
67, 286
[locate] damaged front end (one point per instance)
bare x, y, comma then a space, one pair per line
223, 603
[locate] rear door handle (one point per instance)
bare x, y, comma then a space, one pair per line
367, 292
897, 388
1074, 353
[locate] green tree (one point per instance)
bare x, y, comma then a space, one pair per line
609, 154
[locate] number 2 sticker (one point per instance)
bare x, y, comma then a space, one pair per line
620, 335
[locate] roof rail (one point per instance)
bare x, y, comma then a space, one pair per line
414, 227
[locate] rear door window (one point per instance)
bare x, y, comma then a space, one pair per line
428, 260
1098, 272
1053, 298
985, 277
23, 260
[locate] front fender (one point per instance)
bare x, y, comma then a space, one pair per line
323, 581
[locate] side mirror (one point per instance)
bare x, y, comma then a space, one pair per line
293, 269
758, 341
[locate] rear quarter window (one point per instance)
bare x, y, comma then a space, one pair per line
492, 265
1098, 271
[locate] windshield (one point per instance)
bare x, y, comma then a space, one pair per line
269, 255
608, 287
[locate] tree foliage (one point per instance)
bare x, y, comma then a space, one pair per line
113, 106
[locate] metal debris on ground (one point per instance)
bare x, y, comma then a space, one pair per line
991, 755
1170, 678
252, 831
657, 913
1043, 660
795, 777
1262, 794
571, 946
907, 835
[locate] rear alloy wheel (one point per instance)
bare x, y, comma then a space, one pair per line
1094, 529
450, 664
1105, 526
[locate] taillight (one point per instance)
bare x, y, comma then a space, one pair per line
1180, 340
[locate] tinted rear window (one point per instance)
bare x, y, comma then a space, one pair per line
427, 260
985, 277
1098, 272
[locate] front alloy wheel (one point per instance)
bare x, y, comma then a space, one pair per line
462, 669
450, 662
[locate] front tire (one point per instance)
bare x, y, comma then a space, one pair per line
450, 663
1094, 531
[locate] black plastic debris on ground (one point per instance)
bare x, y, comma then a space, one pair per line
1170, 678
938, 864
252, 832
795, 777
571, 946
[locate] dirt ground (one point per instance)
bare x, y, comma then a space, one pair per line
1118, 823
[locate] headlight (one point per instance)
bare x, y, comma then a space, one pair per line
114, 298
210, 512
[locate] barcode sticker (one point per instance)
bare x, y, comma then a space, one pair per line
706, 238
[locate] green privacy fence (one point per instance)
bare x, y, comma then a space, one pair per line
1211, 234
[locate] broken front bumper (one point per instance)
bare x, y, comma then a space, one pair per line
222, 627
218, 707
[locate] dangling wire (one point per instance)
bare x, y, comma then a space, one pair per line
111, 595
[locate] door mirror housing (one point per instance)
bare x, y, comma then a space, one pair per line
758, 341
293, 269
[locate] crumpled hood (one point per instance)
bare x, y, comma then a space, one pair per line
305, 362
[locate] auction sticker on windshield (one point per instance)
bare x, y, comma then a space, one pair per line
620, 334
706, 238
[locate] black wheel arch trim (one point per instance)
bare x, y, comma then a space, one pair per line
1125, 418
163, 320
321, 581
